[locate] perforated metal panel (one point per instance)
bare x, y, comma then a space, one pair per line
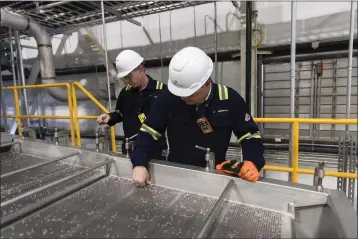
114, 208
59, 171
15, 185
11, 161
253, 223
184, 219
69, 215
131, 215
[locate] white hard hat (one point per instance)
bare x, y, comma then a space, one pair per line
189, 69
127, 61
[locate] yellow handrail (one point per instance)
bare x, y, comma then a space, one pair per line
17, 107
295, 170
76, 117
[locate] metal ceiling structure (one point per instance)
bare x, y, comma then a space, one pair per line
67, 16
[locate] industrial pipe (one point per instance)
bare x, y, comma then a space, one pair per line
260, 91
292, 177
248, 53
350, 59
216, 43
161, 48
21, 68
48, 76
12, 58
309, 56
104, 36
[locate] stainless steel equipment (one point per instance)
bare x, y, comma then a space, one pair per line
77, 193
209, 158
318, 176
129, 144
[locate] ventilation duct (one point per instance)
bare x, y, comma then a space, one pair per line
48, 76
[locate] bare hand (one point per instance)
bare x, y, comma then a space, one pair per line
103, 119
140, 176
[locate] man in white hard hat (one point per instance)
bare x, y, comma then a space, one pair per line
196, 111
135, 100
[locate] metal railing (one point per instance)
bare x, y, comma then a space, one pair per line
77, 117
76, 136
18, 116
295, 170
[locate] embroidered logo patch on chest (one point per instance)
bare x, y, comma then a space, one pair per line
224, 110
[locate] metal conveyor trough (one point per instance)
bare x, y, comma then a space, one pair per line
55, 191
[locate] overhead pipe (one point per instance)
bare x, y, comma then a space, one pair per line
248, 53
104, 36
350, 59
309, 56
48, 76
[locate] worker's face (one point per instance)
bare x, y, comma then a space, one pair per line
134, 78
199, 96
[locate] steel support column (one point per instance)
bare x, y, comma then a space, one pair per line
248, 53
293, 73
104, 36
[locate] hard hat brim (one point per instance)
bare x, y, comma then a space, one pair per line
124, 73
182, 92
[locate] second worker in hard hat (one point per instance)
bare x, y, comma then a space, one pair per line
196, 111
135, 99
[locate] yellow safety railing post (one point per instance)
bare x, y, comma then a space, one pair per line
17, 110
75, 109
295, 138
70, 109
99, 105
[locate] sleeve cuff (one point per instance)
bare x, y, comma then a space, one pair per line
253, 150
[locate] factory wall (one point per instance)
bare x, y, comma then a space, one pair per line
316, 97
194, 26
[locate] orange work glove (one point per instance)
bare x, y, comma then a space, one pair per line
245, 170
249, 171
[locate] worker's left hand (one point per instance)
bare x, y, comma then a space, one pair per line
249, 171
245, 170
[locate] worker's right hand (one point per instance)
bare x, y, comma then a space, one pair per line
140, 176
103, 119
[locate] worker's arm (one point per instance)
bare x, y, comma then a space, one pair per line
151, 130
248, 136
117, 115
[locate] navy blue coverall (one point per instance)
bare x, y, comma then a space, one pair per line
225, 110
131, 105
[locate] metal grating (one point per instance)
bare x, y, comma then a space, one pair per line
33, 198
184, 219
70, 214
19, 180
67, 16
11, 161
253, 223
131, 215
58, 173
